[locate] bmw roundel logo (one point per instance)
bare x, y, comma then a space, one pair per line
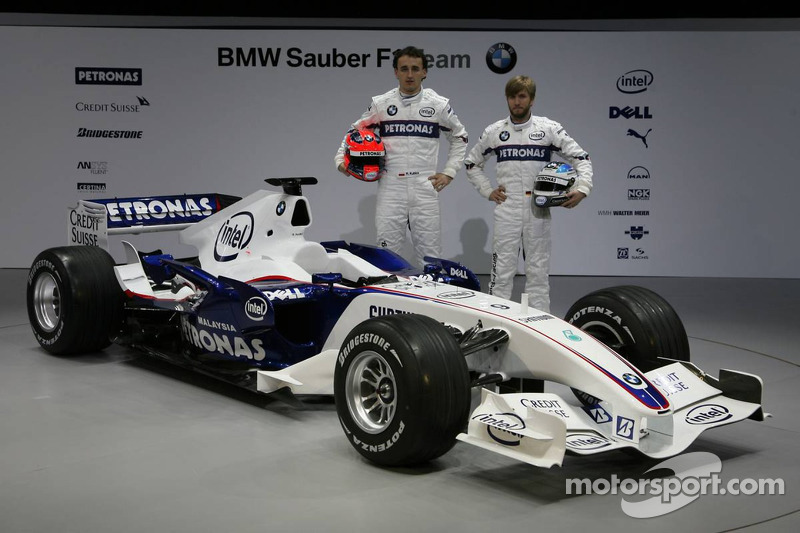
281, 208
504, 135
501, 58
392, 110
632, 379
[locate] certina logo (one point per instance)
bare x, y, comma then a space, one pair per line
256, 308
108, 76
94, 167
233, 236
708, 414
110, 134
634, 81
629, 112
637, 232
638, 173
91, 187
501, 58
112, 107
334, 58
502, 426
638, 194
586, 441
536, 135
427, 112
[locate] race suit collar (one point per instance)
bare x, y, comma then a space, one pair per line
409, 99
521, 125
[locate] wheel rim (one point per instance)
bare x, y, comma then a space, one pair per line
47, 302
605, 334
371, 392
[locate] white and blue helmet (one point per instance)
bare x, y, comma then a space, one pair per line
552, 184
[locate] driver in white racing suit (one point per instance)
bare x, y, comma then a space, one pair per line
523, 144
410, 120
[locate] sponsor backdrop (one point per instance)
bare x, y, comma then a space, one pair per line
691, 134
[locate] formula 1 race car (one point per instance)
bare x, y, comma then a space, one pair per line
400, 349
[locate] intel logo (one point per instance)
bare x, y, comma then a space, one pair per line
540, 201
536, 136
256, 308
708, 414
502, 427
634, 81
233, 236
427, 112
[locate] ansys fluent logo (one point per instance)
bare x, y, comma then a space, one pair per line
108, 76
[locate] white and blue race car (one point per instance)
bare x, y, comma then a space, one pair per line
401, 350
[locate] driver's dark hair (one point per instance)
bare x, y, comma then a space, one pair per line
410, 51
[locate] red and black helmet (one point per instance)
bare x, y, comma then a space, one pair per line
364, 155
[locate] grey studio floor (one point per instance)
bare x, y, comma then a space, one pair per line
115, 442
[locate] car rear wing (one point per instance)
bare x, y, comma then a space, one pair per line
90, 222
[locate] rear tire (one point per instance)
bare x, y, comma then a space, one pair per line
74, 300
402, 389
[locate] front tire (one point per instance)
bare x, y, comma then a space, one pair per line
635, 322
73, 298
401, 386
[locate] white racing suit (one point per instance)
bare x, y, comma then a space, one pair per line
410, 128
522, 150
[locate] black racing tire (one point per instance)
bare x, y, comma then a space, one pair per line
75, 304
401, 387
635, 322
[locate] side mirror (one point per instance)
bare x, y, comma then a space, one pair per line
329, 278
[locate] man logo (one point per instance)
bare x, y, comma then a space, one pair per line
501, 58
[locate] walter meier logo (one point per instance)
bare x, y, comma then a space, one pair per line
501, 58
634, 81
108, 76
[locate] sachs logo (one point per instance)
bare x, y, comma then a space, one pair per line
233, 236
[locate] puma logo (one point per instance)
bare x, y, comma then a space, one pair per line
634, 133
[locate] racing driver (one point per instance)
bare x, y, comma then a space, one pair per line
523, 144
411, 120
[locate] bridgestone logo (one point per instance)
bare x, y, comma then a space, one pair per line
365, 338
110, 134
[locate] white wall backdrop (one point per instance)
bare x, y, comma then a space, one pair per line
719, 171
